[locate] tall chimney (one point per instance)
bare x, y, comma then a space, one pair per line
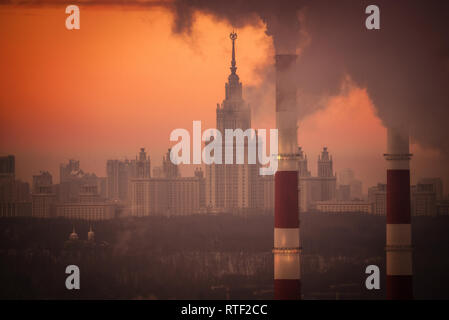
399, 249
287, 283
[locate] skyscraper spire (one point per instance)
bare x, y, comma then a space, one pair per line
233, 87
233, 37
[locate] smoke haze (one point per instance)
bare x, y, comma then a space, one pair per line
404, 66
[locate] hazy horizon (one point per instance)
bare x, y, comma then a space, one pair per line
132, 81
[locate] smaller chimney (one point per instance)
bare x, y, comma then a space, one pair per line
287, 283
398, 231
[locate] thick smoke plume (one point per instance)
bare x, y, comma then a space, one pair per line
404, 66
280, 17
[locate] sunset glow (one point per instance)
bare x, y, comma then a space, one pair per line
124, 80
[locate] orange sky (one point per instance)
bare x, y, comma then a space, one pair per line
124, 81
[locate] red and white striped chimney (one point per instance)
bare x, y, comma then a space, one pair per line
287, 284
399, 233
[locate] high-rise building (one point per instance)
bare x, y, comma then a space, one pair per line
202, 187
21, 191
141, 167
7, 176
117, 176
184, 195
119, 172
43, 202
436, 185
169, 169
377, 197
166, 193
355, 189
325, 168
424, 199
15, 199
166, 196
232, 186
90, 206
70, 170
321, 188
44, 178
148, 197
303, 170
72, 178
7, 166
326, 174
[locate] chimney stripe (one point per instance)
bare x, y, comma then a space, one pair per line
286, 199
399, 287
286, 266
398, 196
287, 289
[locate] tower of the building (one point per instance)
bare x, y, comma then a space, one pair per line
142, 154
325, 164
141, 168
303, 170
234, 86
231, 186
326, 176
170, 170
233, 112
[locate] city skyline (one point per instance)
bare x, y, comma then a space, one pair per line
129, 188
189, 170
93, 128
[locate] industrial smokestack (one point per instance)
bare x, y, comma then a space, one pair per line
399, 249
287, 283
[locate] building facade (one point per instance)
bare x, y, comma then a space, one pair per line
320, 188
377, 197
166, 196
86, 211
72, 178
43, 202
423, 198
15, 209
91, 206
344, 206
44, 178
119, 172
